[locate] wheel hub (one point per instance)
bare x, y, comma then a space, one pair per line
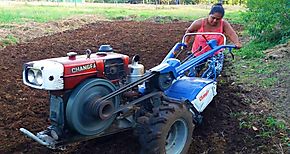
176, 137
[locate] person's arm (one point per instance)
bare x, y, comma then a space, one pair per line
191, 29
231, 34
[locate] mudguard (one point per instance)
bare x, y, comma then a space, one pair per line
198, 91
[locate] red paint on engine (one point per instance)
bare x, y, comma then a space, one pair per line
75, 73
81, 68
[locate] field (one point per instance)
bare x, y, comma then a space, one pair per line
247, 116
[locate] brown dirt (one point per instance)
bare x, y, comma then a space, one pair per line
24, 32
24, 107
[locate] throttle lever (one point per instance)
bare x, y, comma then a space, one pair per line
230, 51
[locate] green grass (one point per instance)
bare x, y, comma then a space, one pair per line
20, 13
265, 126
8, 40
44, 13
257, 72
253, 69
234, 17
254, 50
32, 13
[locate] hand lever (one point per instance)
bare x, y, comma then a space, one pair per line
230, 51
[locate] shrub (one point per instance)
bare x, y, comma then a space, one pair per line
268, 20
254, 49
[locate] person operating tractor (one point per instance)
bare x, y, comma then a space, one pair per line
213, 23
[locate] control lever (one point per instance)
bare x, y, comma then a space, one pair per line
191, 54
230, 51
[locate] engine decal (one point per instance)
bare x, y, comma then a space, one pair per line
83, 68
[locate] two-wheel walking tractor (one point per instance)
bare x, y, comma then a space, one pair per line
98, 94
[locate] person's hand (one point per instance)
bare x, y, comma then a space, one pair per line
238, 45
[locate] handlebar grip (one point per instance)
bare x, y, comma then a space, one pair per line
232, 46
183, 46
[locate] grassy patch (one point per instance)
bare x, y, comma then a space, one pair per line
257, 72
234, 17
252, 69
33, 13
43, 13
254, 49
8, 40
265, 126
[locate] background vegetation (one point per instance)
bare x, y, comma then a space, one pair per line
228, 2
45, 13
267, 22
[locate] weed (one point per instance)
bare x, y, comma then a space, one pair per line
273, 123
4, 26
119, 18
246, 120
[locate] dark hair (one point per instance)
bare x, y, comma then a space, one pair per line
217, 8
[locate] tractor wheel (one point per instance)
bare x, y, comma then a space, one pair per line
167, 130
84, 114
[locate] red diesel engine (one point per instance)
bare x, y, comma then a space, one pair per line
75, 83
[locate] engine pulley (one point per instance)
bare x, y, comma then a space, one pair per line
84, 114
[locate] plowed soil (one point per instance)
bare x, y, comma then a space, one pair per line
24, 107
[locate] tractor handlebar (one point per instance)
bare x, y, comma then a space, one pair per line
203, 33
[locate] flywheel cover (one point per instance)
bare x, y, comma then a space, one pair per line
78, 110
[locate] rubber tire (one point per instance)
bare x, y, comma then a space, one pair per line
153, 129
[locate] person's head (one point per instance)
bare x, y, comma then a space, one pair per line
216, 14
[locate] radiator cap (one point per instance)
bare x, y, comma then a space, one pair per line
71, 55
